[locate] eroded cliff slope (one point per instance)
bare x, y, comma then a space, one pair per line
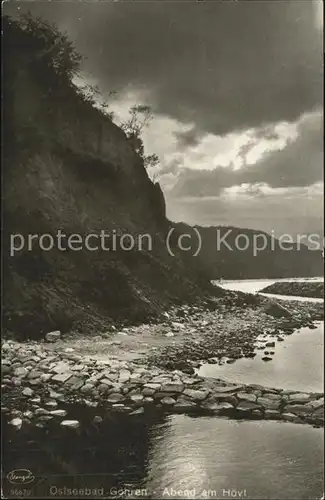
68, 168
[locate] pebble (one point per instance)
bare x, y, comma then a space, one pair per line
114, 398
196, 395
27, 392
70, 424
16, 422
53, 336
246, 397
58, 413
167, 400
20, 372
246, 406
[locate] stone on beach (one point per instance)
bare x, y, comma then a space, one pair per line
277, 310
196, 395
168, 400
58, 413
299, 397
246, 406
53, 336
20, 372
61, 377
27, 392
116, 384
244, 396
270, 404
173, 387
70, 424
16, 422
115, 398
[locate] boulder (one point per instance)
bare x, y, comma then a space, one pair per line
196, 395
53, 336
277, 310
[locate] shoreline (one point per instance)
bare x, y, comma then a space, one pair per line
307, 289
40, 379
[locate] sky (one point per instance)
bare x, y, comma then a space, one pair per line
236, 93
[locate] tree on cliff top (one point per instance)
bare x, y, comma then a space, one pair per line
44, 44
55, 56
140, 117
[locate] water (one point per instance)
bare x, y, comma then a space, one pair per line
253, 286
267, 460
165, 455
297, 363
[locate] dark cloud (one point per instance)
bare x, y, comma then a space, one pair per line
188, 138
298, 164
221, 65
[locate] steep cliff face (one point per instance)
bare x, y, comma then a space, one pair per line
68, 168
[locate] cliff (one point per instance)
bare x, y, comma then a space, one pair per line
69, 168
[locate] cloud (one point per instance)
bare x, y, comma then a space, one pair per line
294, 160
236, 88
188, 138
223, 66
292, 211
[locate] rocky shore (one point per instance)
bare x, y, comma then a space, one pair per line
231, 332
39, 384
311, 289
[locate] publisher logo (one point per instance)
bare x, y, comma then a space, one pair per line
20, 476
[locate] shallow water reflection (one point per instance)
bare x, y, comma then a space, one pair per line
267, 460
166, 455
297, 363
